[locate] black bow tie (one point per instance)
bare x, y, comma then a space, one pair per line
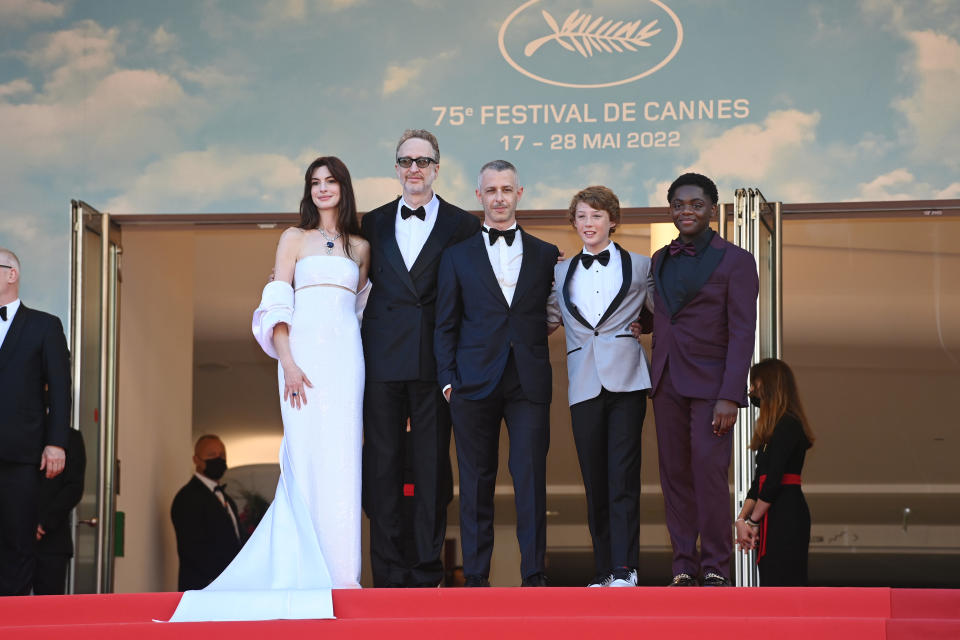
507, 235
3, 314
406, 212
221, 488
686, 248
603, 258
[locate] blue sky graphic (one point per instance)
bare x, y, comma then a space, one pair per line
217, 106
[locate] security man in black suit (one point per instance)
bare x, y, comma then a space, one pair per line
58, 497
205, 519
34, 422
406, 239
493, 363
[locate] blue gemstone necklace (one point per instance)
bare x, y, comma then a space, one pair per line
330, 242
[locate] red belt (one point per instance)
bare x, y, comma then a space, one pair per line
788, 478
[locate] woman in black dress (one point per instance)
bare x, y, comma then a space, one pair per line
775, 519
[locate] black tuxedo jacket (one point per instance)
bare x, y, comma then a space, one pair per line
476, 329
206, 540
400, 316
34, 356
58, 497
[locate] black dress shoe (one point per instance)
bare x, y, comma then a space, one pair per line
476, 581
683, 580
535, 580
715, 580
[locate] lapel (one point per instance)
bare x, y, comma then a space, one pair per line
443, 228
657, 266
627, 266
208, 495
711, 257
13, 335
211, 496
572, 308
485, 271
528, 266
232, 505
391, 251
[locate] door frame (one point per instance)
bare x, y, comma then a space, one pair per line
86, 219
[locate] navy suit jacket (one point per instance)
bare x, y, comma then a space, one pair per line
708, 339
34, 356
476, 329
399, 318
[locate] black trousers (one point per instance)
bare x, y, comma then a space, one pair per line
606, 431
476, 425
50, 574
19, 493
386, 407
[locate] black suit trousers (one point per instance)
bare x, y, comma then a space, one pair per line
477, 431
606, 431
386, 407
50, 574
19, 492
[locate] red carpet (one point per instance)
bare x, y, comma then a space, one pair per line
786, 614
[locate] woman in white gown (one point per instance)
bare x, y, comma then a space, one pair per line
309, 540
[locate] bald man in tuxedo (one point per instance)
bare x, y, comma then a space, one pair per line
35, 396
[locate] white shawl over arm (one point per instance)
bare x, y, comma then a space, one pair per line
276, 306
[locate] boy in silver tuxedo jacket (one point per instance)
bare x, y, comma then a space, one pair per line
599, 293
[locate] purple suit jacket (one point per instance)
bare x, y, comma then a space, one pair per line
708, 339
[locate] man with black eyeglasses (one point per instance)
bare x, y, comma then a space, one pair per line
34, 424
407, 237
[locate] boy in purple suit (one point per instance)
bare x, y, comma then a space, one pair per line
703, 336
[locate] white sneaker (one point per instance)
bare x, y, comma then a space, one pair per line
601, 580
623, 577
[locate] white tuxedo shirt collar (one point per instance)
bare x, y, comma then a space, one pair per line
5, 325
612, 248
207, 482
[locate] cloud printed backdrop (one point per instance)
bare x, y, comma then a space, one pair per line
217, 105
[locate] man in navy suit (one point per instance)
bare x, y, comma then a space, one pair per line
493, 364
705, 316
35, 424
406, 239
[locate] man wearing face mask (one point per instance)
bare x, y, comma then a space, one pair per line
205, 518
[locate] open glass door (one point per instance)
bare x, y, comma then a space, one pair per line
94, 275
755, 226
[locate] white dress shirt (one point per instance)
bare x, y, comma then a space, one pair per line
212, 485
506, 261
593, 289
5, 324
412, 233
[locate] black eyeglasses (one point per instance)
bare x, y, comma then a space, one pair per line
6, 266
423, 162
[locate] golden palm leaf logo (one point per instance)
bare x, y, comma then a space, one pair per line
596, 37
585, 34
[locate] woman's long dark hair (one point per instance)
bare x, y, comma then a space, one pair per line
778, 396
348, 223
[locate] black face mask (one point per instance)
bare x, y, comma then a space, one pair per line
755, 401
214, 468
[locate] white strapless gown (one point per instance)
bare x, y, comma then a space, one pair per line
309, 540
